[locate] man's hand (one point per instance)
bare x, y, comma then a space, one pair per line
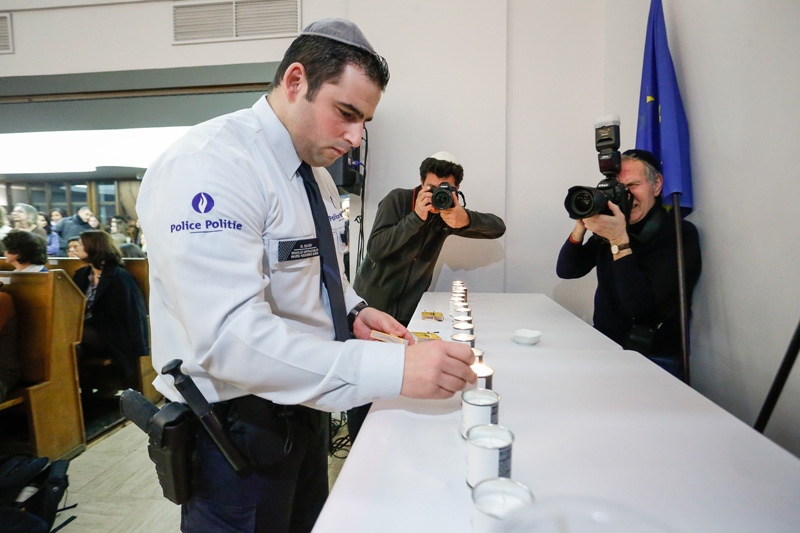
423, 205
371, 319
436, 370
578, 232
455, 217
614, 228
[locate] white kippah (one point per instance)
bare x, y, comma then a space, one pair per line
445, 156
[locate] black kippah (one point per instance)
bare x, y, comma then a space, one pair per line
644, 155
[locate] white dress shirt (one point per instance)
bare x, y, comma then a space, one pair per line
234, 291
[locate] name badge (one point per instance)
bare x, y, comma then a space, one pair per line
291, 250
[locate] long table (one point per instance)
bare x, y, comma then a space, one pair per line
595, 428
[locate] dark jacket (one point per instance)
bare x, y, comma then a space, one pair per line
118, 314
640, 288
403, 249
66, 229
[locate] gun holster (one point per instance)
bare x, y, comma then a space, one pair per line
171, 430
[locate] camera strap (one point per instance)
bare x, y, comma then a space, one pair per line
651, 227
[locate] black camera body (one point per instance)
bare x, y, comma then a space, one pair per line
584, 202
442, 196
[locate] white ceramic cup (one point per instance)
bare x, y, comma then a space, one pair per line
494, 499
478, 407
488, 453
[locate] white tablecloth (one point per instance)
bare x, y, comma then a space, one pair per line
602, 425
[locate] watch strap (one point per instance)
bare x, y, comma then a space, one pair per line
351, 316
617, 248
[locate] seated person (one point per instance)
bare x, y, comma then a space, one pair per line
406, 241
10, 366
25, 251
72, 247
52, 236
637, 299
131, 250
115, 321
26, 218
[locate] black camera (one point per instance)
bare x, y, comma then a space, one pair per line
442, 198
585, 202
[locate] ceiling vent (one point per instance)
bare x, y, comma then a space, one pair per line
6, 37
210, 21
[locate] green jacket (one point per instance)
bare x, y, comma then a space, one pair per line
403, 249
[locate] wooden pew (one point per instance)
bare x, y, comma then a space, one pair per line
94, 373
50, 316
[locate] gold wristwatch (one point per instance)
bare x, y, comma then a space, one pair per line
617, 248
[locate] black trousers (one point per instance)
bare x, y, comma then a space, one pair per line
286, 487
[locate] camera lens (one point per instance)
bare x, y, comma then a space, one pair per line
582, 203
442, 197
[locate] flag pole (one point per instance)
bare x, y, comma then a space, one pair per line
780, 381
676, 203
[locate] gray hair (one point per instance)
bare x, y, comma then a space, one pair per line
31, 214
649, 171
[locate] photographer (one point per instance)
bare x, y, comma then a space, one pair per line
406, 240
637, 299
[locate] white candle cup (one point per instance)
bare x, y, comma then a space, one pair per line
485, 374
466, 338
455, 303
466, 311
478, 407
460, 291
488, 453
464, 327
478, 355
495, 499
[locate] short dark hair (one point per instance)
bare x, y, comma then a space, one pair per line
325, 59
29, 247
131, 250
81, 208
101, 249
442, 169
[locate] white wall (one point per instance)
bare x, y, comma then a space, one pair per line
513, 88
447, 92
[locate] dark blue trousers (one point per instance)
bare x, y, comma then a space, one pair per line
286, 488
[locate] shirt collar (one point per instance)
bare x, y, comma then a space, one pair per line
278, 137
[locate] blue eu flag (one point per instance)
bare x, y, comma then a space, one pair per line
662, 127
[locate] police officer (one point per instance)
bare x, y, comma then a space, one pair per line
237, 293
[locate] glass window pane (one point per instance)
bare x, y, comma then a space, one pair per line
58, 196
106, 200
38, 197
19, 195
78, 196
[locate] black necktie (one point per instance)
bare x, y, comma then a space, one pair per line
327, 254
